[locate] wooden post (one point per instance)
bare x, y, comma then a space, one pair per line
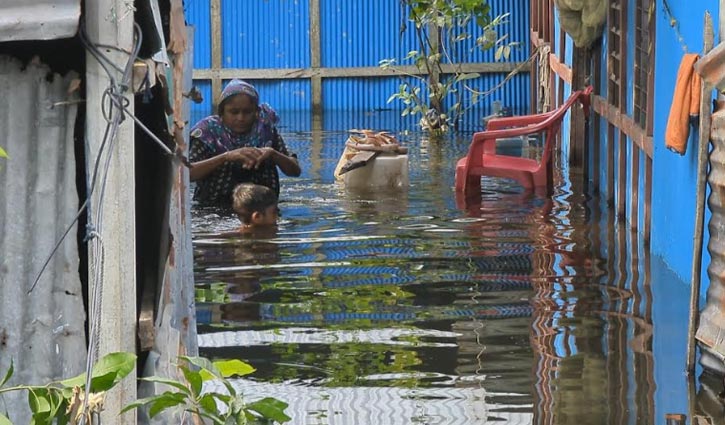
216, 51
315, 57
580, 67
110, 22
701, 187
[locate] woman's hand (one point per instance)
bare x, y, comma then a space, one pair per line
249, 158
265, 154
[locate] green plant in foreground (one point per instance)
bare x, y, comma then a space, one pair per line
61, 402
206, 404
3, 154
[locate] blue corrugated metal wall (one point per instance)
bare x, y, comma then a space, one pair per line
198, 14
265, 34
275, 34
362, 32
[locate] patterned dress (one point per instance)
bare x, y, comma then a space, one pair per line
210, 137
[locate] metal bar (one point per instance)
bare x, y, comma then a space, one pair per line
610, 164
621, 74
370, 71
702, 162
597, 127
562, 70
315, 57
647, 200
634, 182
624, 123
216, 51
622, 175
580, 72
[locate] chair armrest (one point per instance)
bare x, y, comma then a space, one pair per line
482, 141
518, 121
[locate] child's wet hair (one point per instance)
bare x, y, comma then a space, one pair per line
249, 198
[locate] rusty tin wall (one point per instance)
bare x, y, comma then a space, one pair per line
711, 331
42, 333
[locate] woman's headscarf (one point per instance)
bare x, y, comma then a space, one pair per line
239, 87
267, 115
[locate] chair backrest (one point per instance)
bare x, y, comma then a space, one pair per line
553, 123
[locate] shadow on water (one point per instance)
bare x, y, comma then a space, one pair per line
416, 307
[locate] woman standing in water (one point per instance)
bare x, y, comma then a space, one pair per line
239, 145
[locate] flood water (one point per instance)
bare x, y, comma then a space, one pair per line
412, 307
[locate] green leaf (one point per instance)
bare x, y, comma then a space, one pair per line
215, 418
107, 372
40, 405
3, 154
4, 420
140, 402
270, 408
208, 370
38, 401
9, 373
193, 378
233, 367
208, 403
166, 401
224, 398
170, 382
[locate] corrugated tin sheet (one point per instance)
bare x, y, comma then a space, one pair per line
353, 34
711, 330
361, 33
283, 95
198, 15
43, 333
265, 34
39, 20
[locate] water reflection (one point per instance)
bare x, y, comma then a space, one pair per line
418, 307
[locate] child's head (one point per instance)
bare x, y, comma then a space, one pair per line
255, 205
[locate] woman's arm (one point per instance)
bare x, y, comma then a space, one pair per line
288, 164
201, 169
248, 157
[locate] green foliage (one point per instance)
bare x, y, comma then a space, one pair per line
59, 402
441, 29
3, 154
206, 404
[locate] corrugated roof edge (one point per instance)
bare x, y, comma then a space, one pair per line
39, 20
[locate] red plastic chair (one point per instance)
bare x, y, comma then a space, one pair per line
482, 159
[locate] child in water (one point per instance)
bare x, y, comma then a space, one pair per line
255, 205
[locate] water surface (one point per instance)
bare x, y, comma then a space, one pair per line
413, 306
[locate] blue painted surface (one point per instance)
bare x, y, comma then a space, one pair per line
669, 344
198, 15
265, 34
275, 34
674, 176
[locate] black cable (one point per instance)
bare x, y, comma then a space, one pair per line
107, 114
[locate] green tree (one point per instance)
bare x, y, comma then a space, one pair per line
441, 28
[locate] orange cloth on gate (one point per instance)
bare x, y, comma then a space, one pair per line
685, 103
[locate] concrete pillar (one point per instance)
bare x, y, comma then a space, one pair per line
110, 23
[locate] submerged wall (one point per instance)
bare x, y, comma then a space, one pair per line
673, 190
